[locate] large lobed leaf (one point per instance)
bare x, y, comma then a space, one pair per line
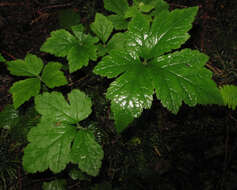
51, 141
141, 67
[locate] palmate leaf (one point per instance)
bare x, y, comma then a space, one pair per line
142, 68
32, 66
51, 140
78, 48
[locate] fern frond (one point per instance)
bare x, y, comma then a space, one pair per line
229, 94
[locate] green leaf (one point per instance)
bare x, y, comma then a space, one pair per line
2, 59
9, 117
119, 22
87, 152
59, 44
160, 6
78, 49
51, 140
58, 184
23, 90
102, 27
181, 76
116, 42
168, 32
52, 76
49, 147
119, 7
68, 18
229, 94
54, 106
31, 66
141, 68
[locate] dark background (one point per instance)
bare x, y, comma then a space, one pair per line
195, 149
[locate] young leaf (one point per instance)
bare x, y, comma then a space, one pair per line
78, 49
31, 66
53, 105
60, 43
58, 184
141, 68
2, 59
102, 27
87, 152
52, 76
23, 90
49, 147
119, 7
229, 94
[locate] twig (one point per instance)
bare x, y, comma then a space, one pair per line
57, 6
10, 55
10, 4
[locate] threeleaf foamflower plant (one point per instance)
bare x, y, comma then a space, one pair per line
31, 67
148, 64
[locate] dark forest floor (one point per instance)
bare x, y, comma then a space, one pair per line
195, 149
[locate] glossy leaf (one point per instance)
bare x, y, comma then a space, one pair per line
141, 68
182, 77
78, 49
87, 152
229, 94
54, 106
49, 147
119, 7
52, 76
102, 27
31, 66
23, 90
58, 184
